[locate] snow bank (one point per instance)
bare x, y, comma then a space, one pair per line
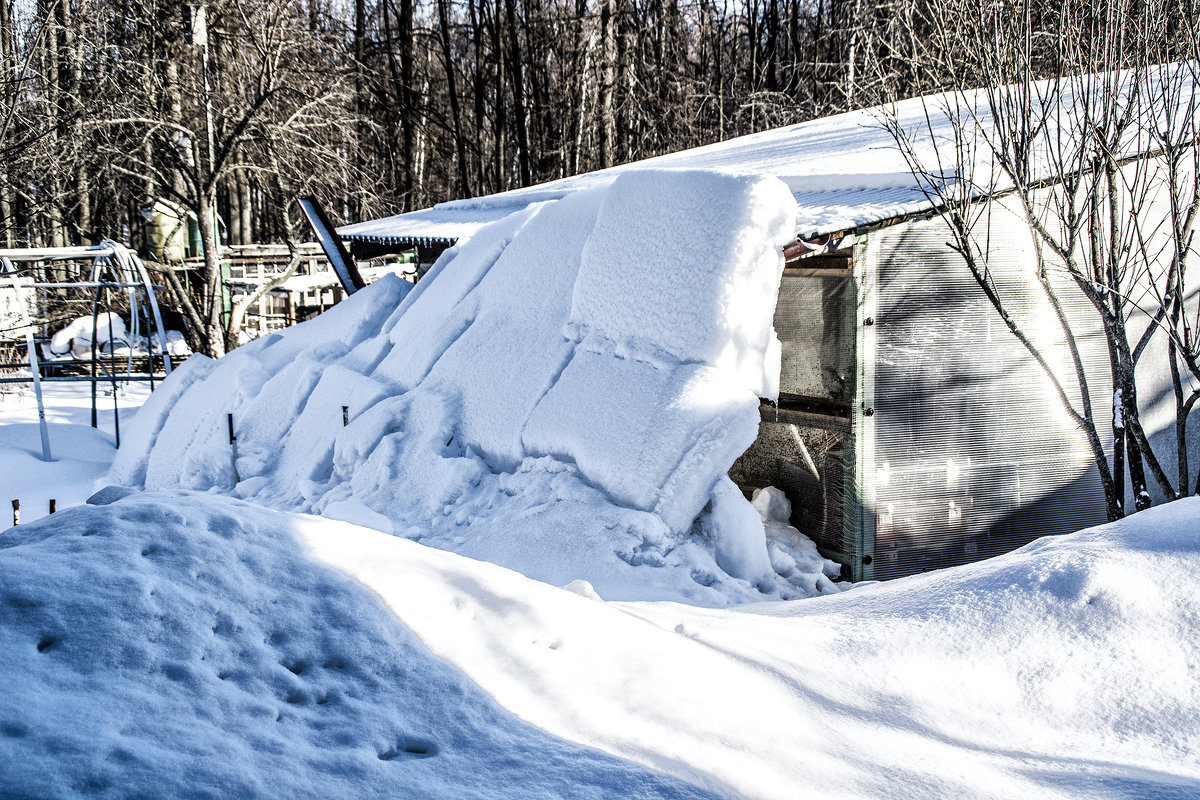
1066, 669
176, 646
562, 395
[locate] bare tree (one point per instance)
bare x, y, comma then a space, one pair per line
1095, 145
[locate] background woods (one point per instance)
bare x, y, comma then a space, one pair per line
228, 109
379, 106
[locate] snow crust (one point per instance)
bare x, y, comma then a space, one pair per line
562, 395
183, 646
1066, 669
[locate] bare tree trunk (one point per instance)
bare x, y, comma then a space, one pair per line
74, 64
501, 105
460, 145
8, 99
608, 83
245, 206
479, 89
516, 58
360, 98
53, 74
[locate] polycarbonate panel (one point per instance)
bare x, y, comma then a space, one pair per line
815, 325
975, 455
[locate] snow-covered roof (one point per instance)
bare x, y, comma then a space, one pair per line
845, 171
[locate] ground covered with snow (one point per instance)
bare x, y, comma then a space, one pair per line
189, 644
81, 454
185, 646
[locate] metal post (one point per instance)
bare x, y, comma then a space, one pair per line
233, 446
16, 513
31, 348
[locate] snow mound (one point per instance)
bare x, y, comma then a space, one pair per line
562, 395
1066, 669
182, 646
74, 340
76, 336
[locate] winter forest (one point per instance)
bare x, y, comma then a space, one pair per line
382, 106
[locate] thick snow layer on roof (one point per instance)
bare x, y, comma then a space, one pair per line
846, 171
551, 397
429, 223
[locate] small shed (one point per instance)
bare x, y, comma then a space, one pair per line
912, 430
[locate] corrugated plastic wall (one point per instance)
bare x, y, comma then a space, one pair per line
974, 455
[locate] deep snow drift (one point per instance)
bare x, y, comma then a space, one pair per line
171, 646
1069, 668
563, 395
184, 645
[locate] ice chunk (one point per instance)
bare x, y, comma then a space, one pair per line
740, 545
772, 504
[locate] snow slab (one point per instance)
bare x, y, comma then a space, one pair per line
184, 646
562, 395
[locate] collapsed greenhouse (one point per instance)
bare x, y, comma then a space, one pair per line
912, 429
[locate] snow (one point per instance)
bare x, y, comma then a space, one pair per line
1067, 669
553, 397
76, 336
845, 171
81, 454
184, 646
74, 340
518, 569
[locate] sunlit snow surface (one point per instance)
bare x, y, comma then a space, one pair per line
1068, 669
184, 645
169, 646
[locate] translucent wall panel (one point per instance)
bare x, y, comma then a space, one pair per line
814, 320
974, 454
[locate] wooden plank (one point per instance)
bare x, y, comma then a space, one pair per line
805, 419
